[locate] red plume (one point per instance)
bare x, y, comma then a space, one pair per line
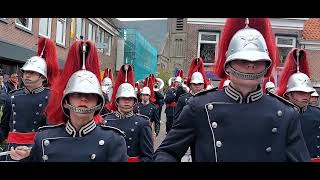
152, 81
235, 24
108, 73
136, 85
121, 79
73, 63
197, 66
47, 50
290, 67
180, 73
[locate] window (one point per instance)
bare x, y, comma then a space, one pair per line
91, 32
80, 24
207, 46
179, 24
100, 38
45, 27
107, 40
25, 23
61, 31
285, 44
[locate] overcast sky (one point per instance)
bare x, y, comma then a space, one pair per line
138, 19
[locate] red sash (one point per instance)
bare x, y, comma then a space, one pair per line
173, 104
21, 138
134, 159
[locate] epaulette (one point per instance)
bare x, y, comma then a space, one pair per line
283, 100
105, 127
15, 90
49, 126
206, 91
144, 116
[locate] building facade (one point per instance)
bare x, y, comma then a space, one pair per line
19, 37
199, 37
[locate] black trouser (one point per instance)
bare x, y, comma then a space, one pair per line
169, 123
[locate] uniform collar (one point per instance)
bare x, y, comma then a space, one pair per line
237, 96
34, 91
123, 116
148, 102
303, 109
84, 130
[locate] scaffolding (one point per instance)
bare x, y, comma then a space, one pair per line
140, 53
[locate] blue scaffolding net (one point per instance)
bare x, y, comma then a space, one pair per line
140, 53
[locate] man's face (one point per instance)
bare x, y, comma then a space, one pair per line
195, 88
145, 97
301, 99
32, 79
314, 101
1, 79
83, 100
249, 68
125, 104
14, 78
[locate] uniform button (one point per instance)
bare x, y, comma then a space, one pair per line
14, 130
40, 105
268, 149
214, 125
12, 97
93, 156
14, 113
219, 143
37, 113
32, 130
318, 147
318, 137
135, 123
46, 97
34, 122
46, 142
210, 106
101, 142
129, 147
132, 130
105, 122
45, 157
130, 138
274, 130
13, 105
279, 113
14, 122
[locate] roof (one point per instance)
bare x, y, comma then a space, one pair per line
311, 30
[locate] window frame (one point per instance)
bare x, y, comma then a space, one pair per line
64, 33
48, 27
29, 28
294, 44
208, 42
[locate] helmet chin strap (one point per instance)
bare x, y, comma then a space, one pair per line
82, 110
245, 76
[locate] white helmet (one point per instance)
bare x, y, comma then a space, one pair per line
146, 90
315, 94
36, 64
126, 90
299, 82
178, 79
197, 78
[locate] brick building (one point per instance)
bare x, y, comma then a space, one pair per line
193, 37
19, 36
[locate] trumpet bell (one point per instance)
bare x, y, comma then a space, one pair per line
158, 85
